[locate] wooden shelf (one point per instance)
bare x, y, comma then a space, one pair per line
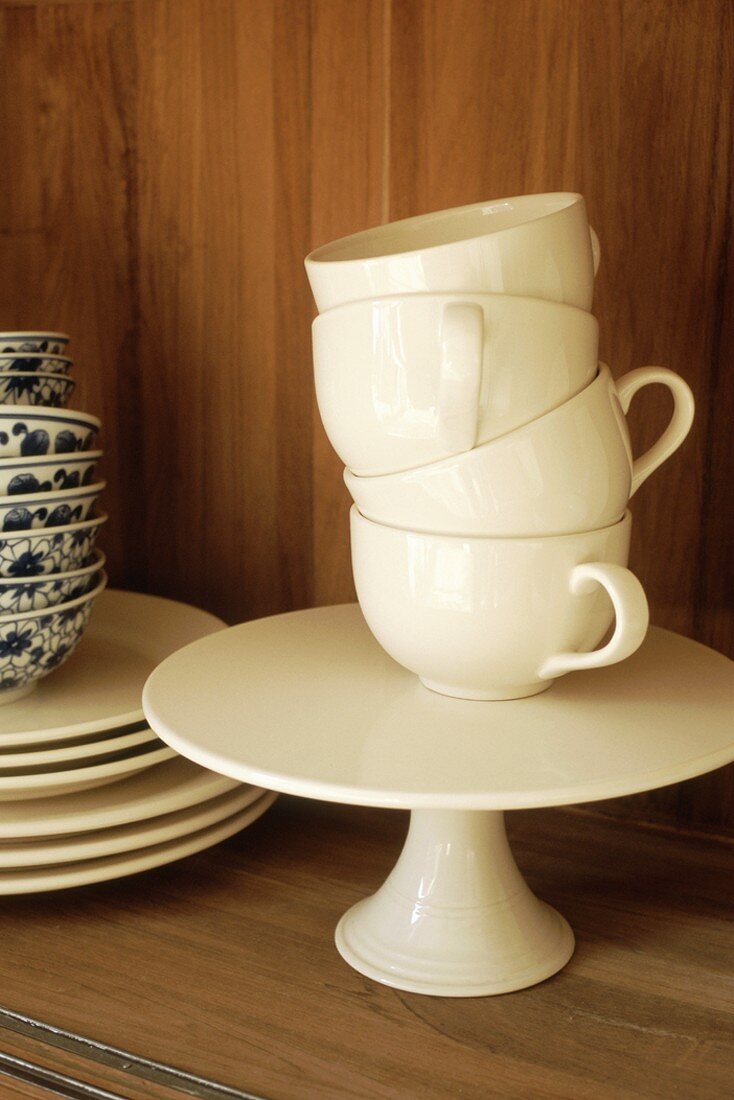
218, 976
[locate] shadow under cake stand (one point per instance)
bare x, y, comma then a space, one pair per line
307, 703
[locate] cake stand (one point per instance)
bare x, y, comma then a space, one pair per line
307, 703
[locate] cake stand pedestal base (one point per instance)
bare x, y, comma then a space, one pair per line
455, 917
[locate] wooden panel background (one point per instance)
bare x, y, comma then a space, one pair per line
170, 162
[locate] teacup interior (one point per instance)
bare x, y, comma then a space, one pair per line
443, 227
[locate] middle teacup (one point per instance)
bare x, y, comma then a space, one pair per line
407, 380
569, 471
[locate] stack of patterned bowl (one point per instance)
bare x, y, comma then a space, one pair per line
50, 573
487, 449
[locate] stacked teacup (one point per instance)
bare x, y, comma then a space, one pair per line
50, 572
487, 449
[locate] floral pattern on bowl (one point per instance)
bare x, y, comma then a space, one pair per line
36, 643
50, 343
38, 433
34, 364
52, 550
21, 594
50, 390
45, 473
56, 509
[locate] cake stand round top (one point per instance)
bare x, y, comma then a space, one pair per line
309, 704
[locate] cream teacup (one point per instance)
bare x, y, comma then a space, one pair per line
411, 379
482, 618
571, 470
535, 246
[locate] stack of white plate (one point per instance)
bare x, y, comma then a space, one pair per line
87, 791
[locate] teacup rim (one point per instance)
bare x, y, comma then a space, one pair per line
541, 304
321, 254
624, 519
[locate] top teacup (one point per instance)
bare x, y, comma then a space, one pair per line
537, 246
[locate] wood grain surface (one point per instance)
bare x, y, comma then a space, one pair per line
223, 967
174, 160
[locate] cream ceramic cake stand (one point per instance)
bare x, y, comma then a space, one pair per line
307, 703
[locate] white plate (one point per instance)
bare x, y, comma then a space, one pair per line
165, 789
68, 755
128, 838
110, 867
99, 688
42, 784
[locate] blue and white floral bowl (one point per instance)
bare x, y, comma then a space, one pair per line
35, 593
23, 476
34, 643
58, 431
52, 550
56, 509
32, 364
52, 343
25, 388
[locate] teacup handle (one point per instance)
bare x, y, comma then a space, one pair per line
631, 614
595, 248
680, 422
462, 343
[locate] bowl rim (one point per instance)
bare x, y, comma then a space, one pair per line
14, 501
52, 532
59, 608
11, 332
34, 355
100, 559
66, 416
42, 374
62, 457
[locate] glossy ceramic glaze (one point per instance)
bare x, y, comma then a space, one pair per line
22, 476
36, 880
50, 343
99, 689
308, 703
426, 929
409, 380
166, 789
482, 618
58, 508
35, 432
535, 246
52, 550
46, 364
569, 471
133, 837
35, 643
34, 593
19, 388
58, 780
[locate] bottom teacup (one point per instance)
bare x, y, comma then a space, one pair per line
497, 618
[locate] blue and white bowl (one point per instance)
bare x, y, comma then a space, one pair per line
59, 508
32, 364
35, 593
23, 476
52, 550
51, 343
25, 388
34, 643
58, 431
